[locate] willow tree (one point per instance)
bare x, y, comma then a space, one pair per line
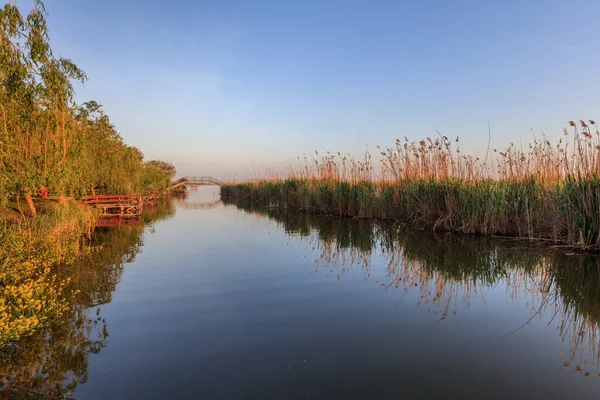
106, 162
46, 139
36, 93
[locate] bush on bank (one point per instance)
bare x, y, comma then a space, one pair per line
30, 253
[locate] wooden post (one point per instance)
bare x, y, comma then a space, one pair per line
32, 209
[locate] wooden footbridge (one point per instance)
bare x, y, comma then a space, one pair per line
194, 181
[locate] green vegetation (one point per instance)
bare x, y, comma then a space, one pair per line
30, 292
49, 141
550, 192
46, 139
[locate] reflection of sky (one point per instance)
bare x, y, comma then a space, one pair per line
229, 86
223, 304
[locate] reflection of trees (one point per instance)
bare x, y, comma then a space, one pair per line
50, 364
161, 210
450, 271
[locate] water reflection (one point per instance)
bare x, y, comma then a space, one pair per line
219, 308
449, 272
199, 205
52, 363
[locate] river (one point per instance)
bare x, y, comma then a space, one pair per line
209, 300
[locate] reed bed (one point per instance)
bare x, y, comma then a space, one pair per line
548, 192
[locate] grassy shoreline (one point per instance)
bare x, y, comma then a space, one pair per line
548, 192
566, 213
32, 251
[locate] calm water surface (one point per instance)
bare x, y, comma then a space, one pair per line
215, 301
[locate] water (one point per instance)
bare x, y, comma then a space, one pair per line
215, 301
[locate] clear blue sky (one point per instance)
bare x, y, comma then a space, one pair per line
223, 87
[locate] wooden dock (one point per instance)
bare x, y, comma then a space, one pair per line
124, 205
151, 197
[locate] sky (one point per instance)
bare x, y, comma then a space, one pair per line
229, 88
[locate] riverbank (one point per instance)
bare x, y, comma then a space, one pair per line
563, 213
32, 250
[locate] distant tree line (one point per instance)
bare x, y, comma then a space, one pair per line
46, 139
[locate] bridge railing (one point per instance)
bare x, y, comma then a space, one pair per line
203, 179
196, 180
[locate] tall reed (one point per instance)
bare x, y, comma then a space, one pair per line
547, 191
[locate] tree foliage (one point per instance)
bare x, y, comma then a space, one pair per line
46, 139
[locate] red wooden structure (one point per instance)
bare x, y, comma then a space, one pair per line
43, 192
126, 205
151, 196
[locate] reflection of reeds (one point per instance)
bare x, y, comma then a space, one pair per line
450, 272
549, 192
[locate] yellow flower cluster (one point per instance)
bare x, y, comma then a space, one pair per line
31, 293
